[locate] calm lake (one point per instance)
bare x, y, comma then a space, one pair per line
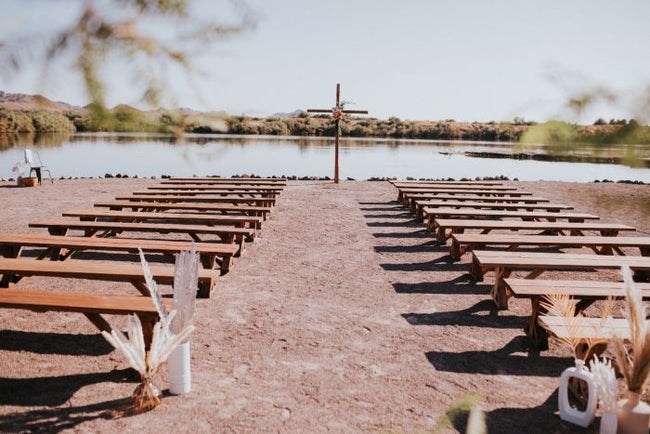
153, 155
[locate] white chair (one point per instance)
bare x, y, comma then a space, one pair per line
29, 159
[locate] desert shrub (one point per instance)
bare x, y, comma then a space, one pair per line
16, 121
51, 122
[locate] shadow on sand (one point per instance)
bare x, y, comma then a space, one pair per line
516, 358
53, 391
55, 343
468, 317
459, 285
54, 420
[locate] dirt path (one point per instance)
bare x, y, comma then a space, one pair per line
344, 315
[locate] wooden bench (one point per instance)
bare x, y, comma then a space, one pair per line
455, 187
234, 181
14, 269
253, 201
587, 328
486, 226
216, 193
131, 216
91, 305
226, 234
434, 214
220, 188
118, 205
463, 243
61, 247
585, 293
409, 199
477, 204
483, 198
442, 184
400, 184
504, 263
404, 193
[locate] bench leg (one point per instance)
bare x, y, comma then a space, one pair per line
419, 214
499, 291
205, 288
142, 287
241, 242
455, 250
475, 270
537, 334
431, 223
148, 321
441, 237
98, 321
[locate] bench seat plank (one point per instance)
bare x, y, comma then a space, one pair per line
410, 199
118, 205
459, 226
478, 204
256, 201
191, 218
220, 188
403, 190
13, 269
463, 243
215, 193
587, 327
402, 183
234, 181
41, 301
440, 213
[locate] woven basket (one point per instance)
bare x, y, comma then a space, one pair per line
28, 182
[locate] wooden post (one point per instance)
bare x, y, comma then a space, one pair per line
336, 136
337, 111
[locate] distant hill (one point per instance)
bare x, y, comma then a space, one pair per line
20, 101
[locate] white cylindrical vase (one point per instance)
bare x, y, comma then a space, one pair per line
608, 423
178, 370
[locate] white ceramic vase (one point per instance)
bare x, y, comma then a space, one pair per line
178, 370
569, 413
608, 423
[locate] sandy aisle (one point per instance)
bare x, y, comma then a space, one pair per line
344, 315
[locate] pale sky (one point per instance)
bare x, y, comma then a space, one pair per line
471, 60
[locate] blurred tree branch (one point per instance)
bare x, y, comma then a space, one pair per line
106, 30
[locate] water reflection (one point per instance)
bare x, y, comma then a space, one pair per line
93, 154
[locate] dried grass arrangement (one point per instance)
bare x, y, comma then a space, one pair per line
634, 363
147, 396
606, 383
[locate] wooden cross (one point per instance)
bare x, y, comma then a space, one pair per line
337, 113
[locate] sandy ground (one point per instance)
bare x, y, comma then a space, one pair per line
343, 315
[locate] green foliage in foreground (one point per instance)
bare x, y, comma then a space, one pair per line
561, 138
